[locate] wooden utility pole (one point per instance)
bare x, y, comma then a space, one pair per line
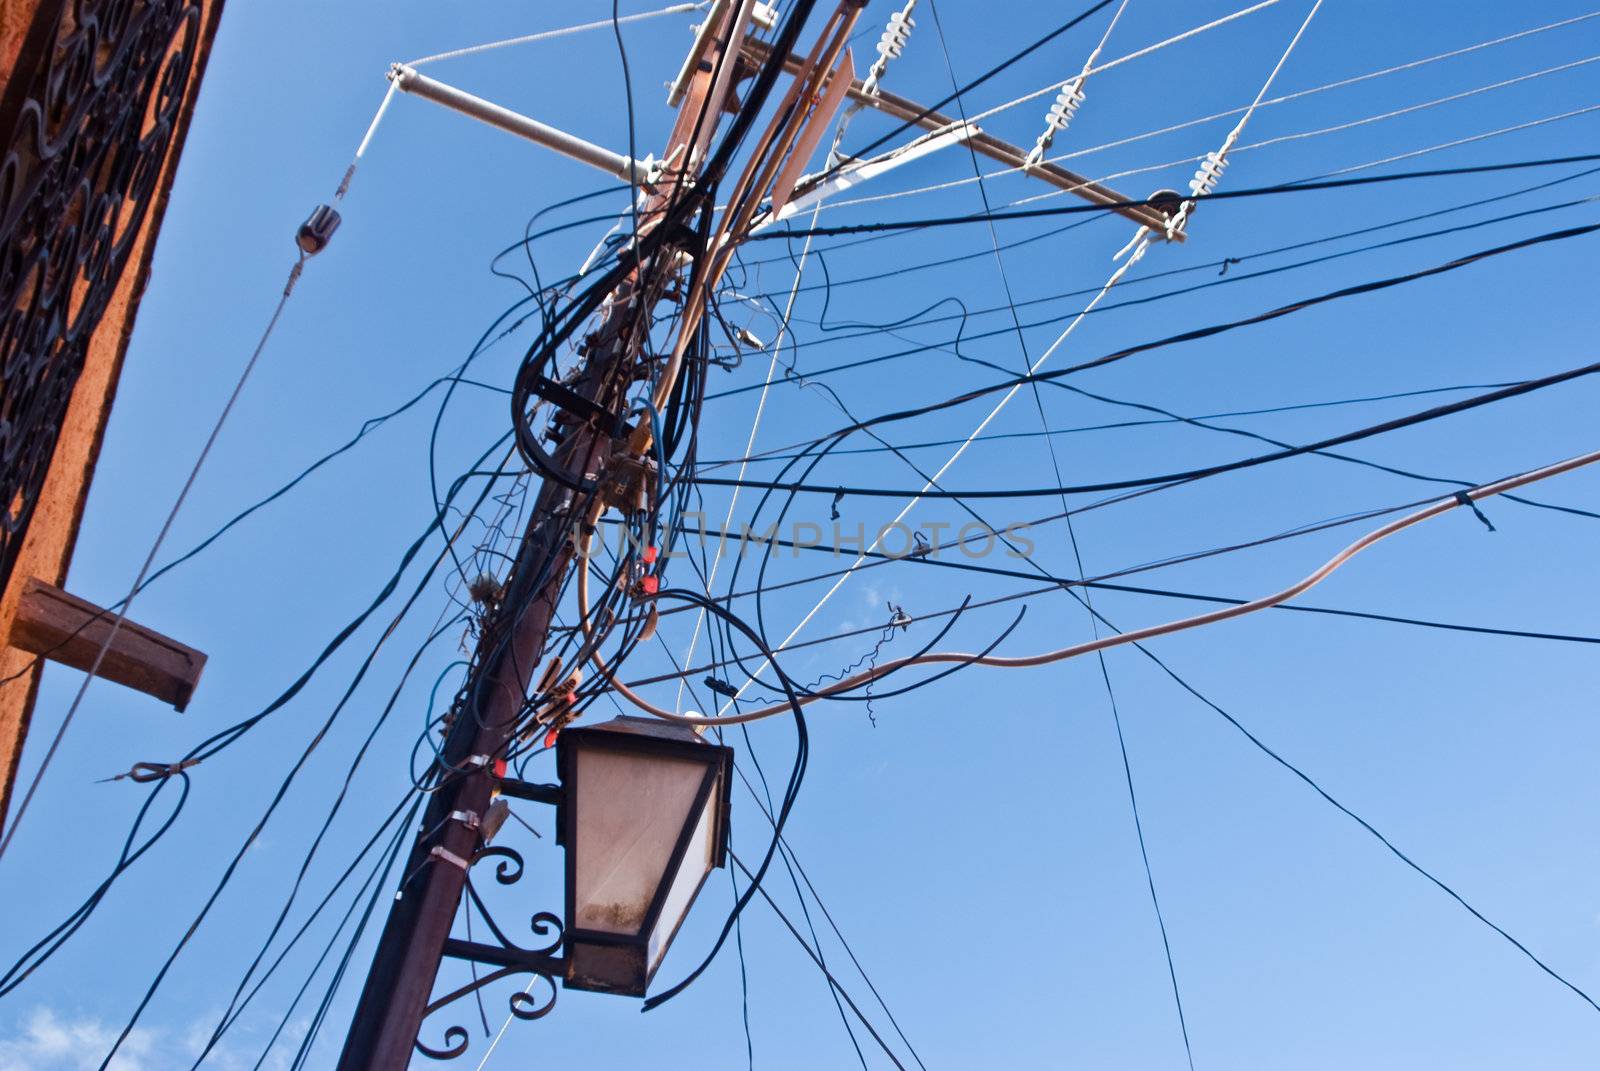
401, 978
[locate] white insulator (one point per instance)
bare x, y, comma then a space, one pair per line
1207, 175
890, 45
1066, 106
895, 35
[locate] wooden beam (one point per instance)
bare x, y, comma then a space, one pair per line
988, 145
70, 630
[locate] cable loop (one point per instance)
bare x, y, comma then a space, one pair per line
145, 773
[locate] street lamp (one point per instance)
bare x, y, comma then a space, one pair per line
644, 819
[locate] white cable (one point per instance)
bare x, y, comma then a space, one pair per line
1118, 143
856, 174
1210, 172
526, 990
1070, 99
388, 95
1340, 84
150, 558
755, 427
1465, 141
1409, 65
545, 35
1005, 400
1343, 171
1120, 60
1417, 107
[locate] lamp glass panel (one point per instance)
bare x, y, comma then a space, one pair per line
631, 809
696, 862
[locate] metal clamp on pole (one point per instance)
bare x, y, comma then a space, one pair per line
616, 164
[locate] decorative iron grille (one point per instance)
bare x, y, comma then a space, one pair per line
86, 118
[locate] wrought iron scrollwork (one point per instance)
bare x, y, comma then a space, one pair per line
86, 119
509, 870
508, 958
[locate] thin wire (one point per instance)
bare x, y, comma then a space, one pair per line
1119, 142
1033, 369
1364, 824
150, 558
1328, 86
1120, 60
1485, 136
545, 35
1465, 141
832, 981
817, 897
1138, 827
1083, 597
1436, 508
755, 427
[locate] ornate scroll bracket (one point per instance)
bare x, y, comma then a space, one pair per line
508, 958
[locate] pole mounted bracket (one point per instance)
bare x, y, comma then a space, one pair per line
570, 401
498, 956
625, 168
506, 958
533, 793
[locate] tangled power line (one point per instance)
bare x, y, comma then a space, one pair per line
649, 621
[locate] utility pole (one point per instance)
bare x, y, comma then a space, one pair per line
510, 650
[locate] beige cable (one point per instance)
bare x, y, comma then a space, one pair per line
1316, 577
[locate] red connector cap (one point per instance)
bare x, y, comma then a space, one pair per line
649, 555
650, 584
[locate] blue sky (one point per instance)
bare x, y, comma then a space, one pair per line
975, 845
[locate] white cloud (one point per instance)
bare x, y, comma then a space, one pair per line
50, 1043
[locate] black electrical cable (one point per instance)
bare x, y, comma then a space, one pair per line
294, 771
1217, 329
1060, 583
755, 885
327, 823
1191, 474
367, 427
791, 792
1367, 826
627, 96
1301, 186
233, 1015
1186, 475
794, 881
1231, 279
817, 897
922, 265
1200, 422
775, 453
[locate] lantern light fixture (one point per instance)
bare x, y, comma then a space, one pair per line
644, 820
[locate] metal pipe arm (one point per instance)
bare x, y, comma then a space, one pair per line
408, 80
